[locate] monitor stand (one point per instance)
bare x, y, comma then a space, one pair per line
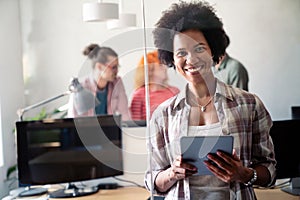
32, 191
72, 190
294, 187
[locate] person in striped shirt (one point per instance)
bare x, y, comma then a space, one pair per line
159, 89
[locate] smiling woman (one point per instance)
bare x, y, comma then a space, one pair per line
191, 37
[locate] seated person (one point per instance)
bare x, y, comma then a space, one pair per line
104, 83
159, 89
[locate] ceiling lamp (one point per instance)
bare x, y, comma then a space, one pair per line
125, 19
98, 11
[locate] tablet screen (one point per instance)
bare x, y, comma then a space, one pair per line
194, 149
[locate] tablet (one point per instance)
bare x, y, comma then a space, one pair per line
194, 149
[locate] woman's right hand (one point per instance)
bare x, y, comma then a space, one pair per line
178, 170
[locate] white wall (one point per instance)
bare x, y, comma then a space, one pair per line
11, 87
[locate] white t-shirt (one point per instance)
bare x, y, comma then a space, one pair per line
208, 186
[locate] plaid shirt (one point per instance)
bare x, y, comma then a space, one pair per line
241, 114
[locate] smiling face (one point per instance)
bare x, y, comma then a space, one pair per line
192, 56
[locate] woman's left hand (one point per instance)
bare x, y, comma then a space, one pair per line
226, 167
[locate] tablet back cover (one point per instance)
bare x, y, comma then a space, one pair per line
194, 149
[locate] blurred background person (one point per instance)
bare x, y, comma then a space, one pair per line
159, 89
104, 83
231, 71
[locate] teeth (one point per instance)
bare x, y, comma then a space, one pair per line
193, 69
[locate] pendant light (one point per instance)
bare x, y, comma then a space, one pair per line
125, 19
99, 11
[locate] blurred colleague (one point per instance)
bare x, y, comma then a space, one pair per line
231, 71
104, 83
159, 89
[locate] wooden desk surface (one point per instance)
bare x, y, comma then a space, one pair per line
274, 194
129, 193
124, 193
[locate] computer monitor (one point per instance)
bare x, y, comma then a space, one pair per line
69, 150
295, 112
134, 123
285, 134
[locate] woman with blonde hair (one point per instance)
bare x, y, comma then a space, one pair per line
159, 89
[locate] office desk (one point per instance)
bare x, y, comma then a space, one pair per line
130, 193
274, 194
124, 193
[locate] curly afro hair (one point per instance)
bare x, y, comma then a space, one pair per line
182, 16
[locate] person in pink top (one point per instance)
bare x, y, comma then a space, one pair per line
104, 83
159, 89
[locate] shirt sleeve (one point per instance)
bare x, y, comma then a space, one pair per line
262, 144
156, 144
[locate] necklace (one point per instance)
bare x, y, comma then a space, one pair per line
203, 108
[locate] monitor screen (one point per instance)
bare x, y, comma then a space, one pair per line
134, 123
69, 150
295, 112
285, 135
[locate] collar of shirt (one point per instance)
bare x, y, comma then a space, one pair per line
222, 90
